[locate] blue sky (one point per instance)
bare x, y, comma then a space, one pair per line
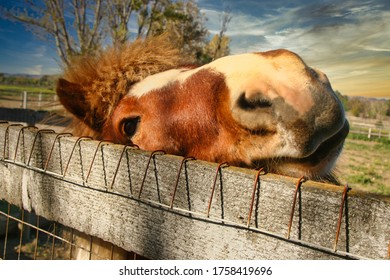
348, 40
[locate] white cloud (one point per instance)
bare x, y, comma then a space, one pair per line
34, 70
375, 49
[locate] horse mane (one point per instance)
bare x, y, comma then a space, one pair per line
108, 75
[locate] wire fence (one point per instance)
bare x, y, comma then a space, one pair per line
25, 236
166, 207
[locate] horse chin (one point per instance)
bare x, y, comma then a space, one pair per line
317, 166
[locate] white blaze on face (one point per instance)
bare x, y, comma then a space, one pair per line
155, 82
252, 74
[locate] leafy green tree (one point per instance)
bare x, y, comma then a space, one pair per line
182, 20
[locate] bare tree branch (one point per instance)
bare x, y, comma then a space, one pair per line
119, 13
81, 26
225, 18
96, 24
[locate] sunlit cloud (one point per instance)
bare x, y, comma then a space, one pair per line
374, 49
34, 70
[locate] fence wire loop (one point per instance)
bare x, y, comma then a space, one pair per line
297, 187
17, 142
35, 140
71, 153
6, 136
223, 164
343, 198
178, 179
261, 170
119, 162
161, 152
58, 136
94, 157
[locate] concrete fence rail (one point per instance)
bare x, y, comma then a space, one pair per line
167, 207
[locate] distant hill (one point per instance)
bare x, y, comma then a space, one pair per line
20, 75
45, 81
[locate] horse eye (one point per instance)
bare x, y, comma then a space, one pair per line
129, 126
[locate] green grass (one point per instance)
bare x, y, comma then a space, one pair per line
384, 139
365, 165
12, 90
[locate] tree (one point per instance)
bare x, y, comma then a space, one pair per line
82, 26
221, 39
50, 19
118, 16
182, 20
217, 47
377, 109
356, 106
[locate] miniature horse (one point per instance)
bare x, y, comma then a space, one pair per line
265, 109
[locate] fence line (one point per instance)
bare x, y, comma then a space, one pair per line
25, 101
369, 128
95, 187
370, 134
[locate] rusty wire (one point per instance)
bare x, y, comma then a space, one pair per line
24, 224
94, 157
253, 195
343, 198
297, 187
81, 138
178, 178
119, 162
6, 136
58, 136
161, 152
35, 140
223, 164
17, 143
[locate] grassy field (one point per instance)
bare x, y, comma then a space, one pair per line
365, 165
16, 90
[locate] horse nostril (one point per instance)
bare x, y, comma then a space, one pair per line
258, 101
